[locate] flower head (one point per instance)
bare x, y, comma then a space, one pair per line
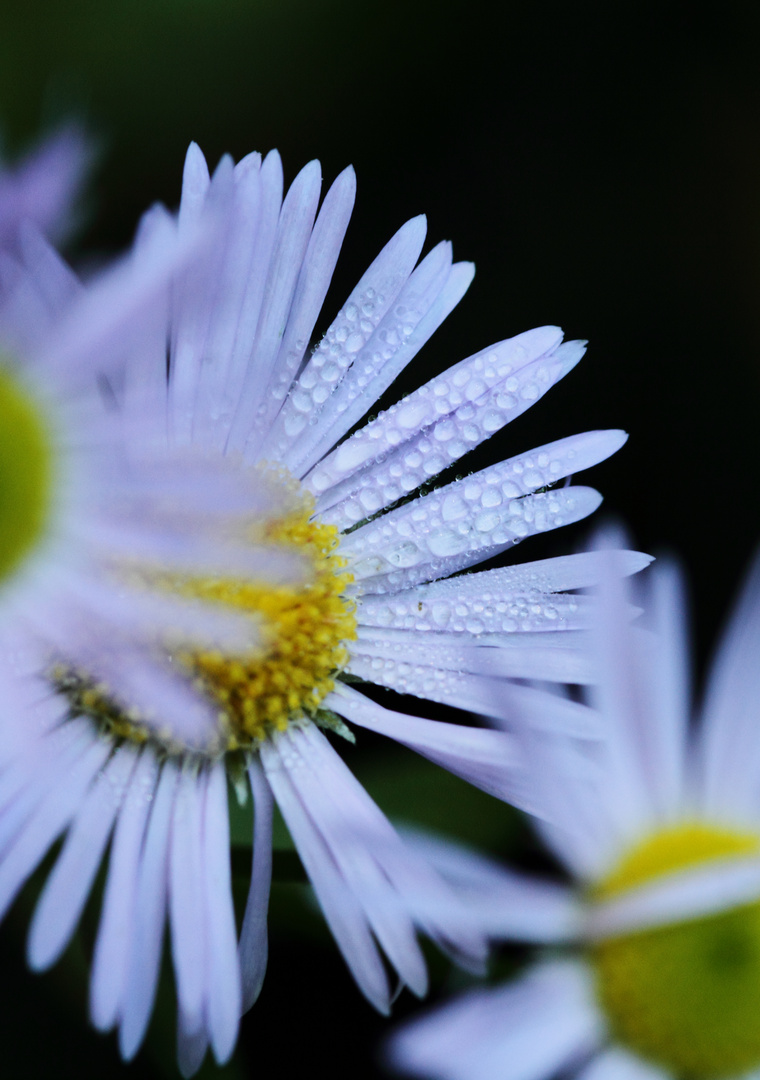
660, 826
243, 389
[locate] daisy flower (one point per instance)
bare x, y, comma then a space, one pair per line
659, 824
243, 388
44, 185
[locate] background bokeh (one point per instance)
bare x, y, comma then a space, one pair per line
599, 163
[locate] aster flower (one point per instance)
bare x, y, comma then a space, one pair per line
240, 386
44, 185
659, 823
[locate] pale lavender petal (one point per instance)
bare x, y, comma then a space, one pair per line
339, 906
186, 894
452, 391
48, 820
614, 1063
111, 955
191, 1047
69, 884
505, 600
223, 991
490, 760
313, 282
470, 520
269, 201
43, 186
532, 1028
714, 886
627, 669
150, 914
502, 902
344, 341
191, 307
430, 430
145, 385
393, 342
729, 749
211, 419
165, 701
253, 947
411, 663
439, 298
293, 232
669, 708
335, 805
54, 278
97, 330
30, 775
358, 827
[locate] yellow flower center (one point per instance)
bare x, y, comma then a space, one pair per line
686, 995
26, 472
303, 631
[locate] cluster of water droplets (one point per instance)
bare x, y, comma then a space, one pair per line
473, 609
376, 322
375, 334
435, 426
336, 353
464, 522
400, 672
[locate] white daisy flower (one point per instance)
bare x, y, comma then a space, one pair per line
659, 823
241, 386
43, 185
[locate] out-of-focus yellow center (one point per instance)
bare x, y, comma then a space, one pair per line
687, 995
26, 472
302, 633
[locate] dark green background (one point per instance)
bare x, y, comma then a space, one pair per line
599, 162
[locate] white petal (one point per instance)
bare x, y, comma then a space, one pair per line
714, 886
454, 527
430, 667
69, 884
615, 1063
502, 902
261, 241
488, 759
293, 233
313, 282
186, 895
253, 947
223, 1005
338, 806
729, 752
339, 906
191, 1048
48, 820
150, 914
114, 941
432, 428
528, 1030
306, 412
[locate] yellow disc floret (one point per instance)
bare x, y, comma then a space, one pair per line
26, 472
302, 630
685, 995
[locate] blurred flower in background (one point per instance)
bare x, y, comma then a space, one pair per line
660, 826
44, 186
